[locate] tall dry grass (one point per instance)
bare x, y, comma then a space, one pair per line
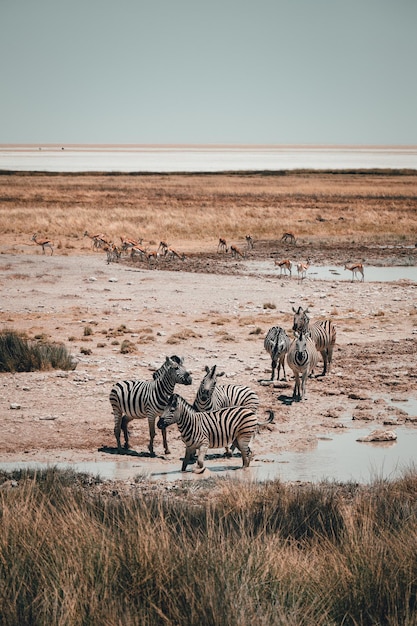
262, 554
195, 207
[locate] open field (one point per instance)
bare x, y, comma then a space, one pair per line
121, 320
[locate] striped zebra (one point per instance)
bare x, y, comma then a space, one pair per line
212, 397
133, 399
322, 332
276, 343
302, 358
211, 429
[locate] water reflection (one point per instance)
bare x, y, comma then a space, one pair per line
339, 457
327, 272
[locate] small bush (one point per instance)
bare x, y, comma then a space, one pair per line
18, 354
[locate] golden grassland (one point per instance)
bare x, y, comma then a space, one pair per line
203, 207
209, 553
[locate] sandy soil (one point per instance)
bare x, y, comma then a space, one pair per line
209, 309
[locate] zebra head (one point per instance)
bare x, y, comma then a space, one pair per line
301, 320
301, 344
208, 383
182, 376
170, 414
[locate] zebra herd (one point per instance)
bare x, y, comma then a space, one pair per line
221, 416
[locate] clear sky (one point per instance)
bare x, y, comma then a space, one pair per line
208, 71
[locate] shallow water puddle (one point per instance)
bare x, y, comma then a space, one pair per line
339, 458
326, 272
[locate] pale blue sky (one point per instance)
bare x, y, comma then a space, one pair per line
208, 71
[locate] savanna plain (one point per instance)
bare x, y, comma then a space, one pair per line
220, 547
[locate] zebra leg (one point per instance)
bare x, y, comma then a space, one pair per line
125, 431
282, 364
325, 361
151, 421
245, 451
200, 459
165, 442
303, 386
188, 457
273, 366
117, 429
296, 392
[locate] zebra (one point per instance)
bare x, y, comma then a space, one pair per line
276, 343
201, 430
322, 332
133, 399
302, 358
212, 397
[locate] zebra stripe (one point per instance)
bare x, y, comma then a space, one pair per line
322, 332
276, 343
212, 397
211, 429
302, 358
131, 399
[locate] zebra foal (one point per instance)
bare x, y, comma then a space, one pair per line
211, 429
322, 332
302, 358
132, 399
276, 343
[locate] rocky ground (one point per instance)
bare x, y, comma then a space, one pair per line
209, 309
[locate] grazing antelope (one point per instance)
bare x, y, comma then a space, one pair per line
236, 253
222, 247
128, 244
113, 252
249, 242
45, 243
138, 251
288, 238
302, 269
284, 266
152, 257
163, 247
170, 253
355, 268
98, 240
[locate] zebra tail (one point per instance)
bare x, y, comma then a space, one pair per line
270, 419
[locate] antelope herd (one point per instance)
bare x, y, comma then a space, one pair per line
136, 250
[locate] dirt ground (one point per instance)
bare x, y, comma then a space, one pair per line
210, 309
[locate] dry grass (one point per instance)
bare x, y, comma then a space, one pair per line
184, 208
207, 553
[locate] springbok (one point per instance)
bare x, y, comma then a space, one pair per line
236, 252
355, 268
284, 266
45, 243
222, 246
288, 238
249, 242
302, 269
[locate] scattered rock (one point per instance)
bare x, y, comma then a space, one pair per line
379, 435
